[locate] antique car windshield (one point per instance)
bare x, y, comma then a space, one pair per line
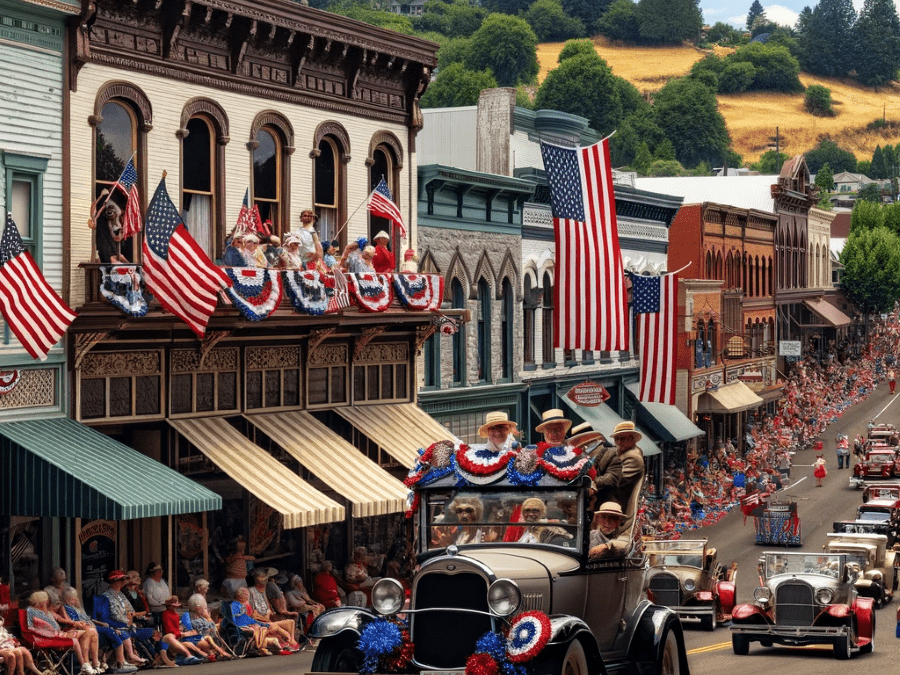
502, 517
873, 515
676, 553
801, 563
881, 458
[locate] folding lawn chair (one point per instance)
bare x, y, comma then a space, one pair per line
56, 654
231, 634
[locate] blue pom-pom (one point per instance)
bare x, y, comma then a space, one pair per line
361, 242
378, 638
493, 644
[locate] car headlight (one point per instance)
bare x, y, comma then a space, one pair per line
824, 596
877, 576
387, 596
762, 594
504, 597
689, 585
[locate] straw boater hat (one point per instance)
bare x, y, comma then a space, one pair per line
610, 509
493, 419
551, 416
583, 434
623, 428
381, 235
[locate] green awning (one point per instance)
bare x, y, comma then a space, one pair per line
61, 468
667, 421
604, 419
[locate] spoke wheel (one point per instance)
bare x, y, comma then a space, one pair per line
669, 661
575, 662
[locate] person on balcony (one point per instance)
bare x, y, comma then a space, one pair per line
234, 252
383, 262
290, 255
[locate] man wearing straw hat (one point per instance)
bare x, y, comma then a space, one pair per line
554, 426
625, 436
497, 429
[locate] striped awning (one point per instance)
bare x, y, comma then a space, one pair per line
331, 459
254, 469
61, 468
731, 398
399, 428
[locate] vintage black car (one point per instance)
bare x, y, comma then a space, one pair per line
485, 569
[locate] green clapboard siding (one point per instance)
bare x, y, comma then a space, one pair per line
59, 467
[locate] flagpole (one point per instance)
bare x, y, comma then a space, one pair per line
341, 229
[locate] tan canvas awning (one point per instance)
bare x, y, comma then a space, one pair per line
399, 428
371, 489
828, 313
258, 472
733, 397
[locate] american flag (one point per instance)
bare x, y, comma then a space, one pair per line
176, 269
589, 294
341, 298
246, 223
381, 203
127, 183
32, 309
655, 302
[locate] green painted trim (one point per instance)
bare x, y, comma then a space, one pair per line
465, 225
38, 26
489, 181
30, 168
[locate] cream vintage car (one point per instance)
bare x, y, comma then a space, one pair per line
878, 572
504, 577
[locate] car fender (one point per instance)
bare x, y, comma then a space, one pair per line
747, 613
564, 630
648, 638
865, 621
340, 619
727, 594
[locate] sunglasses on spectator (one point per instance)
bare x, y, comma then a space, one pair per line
465, 509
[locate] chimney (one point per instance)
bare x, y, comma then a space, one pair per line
493, 129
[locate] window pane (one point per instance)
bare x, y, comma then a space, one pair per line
227, 391
181, 393
317, 381
372, 388
93, 398
325, 174
120, 397
115, 142
291, 388
197, 158
387, 381
338, 388
21, 206
359, 383
254, 389
205, 392
273, 388
147, 395
401, 381
265, 167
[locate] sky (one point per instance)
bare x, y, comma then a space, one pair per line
734, 12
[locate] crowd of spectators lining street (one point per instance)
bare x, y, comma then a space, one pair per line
816, 392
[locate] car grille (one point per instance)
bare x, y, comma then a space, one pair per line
444, 640
666, 590
794, 605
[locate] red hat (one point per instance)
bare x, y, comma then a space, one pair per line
116, 575
409, 254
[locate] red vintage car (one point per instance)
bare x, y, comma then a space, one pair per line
881, 491
881, 462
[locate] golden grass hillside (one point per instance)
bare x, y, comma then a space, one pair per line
752, 117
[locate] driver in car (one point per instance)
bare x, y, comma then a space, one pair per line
607, 541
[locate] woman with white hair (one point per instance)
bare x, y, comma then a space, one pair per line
253, 254
299, 600
42, 624
291, 256
74, 610
197, 626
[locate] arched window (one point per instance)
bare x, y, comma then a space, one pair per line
711, 344
458, 300
384, 165
549, 355
700, 346
330, 154
709, 265
506, 330
484, 331
268, 170
528, 307
116, 144
198, 183
718, 266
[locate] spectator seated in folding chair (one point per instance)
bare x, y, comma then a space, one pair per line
189, 653
264, 635
238, 641
42, 633
197, 626
109, 638
16, 657
113, 609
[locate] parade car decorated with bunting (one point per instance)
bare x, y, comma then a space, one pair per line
880, 462
776, 522
806, 599
505, 584
685, 576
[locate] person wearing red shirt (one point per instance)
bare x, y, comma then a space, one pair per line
325, 588
384, 259
171, 631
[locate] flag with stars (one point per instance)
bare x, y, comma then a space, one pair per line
589, 294
127, 183
655, 302
176, 270
32, 309
381, 203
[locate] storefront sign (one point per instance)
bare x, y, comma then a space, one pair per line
98, 557
588, 394
789, 348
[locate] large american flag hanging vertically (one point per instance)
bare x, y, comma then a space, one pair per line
589, 293
655, 302
127, 183
176, 270
32, 309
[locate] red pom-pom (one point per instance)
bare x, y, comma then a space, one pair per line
481, 664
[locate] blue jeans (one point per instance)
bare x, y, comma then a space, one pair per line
840, 461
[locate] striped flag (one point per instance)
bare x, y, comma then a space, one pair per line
655, 302
589, 293
32, 309
176, 270
127, 183
381, 203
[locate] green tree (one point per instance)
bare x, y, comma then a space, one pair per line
620, 22
456, 18
878, 170
770, 163
756, 11
826, 42
687, 112
666, 167
869, 193
736, 77
723, 34
583, 85
576, 48
551, 23
818, 101
642, 159
877, 32
871, 258
631, 98
864, 166
380, 18
588, 11
784, 37
665, 150
511, 7
828, 151
638, 127
825, 179
891, 214
456, 86
507, 47
454, 50
669, 21
866, 216
889, 152
776, 69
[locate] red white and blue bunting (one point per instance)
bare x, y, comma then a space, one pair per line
528, 635
307, 291
123, 287
421, 292
372, 292
565, 462
255, 292
480, 465
8, 380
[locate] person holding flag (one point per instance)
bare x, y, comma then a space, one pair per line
116, 225
381, 203
383, 262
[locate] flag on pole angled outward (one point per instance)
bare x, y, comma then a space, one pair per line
127, 183
655, 302
32, 309
176, 270
589, 293
381, 203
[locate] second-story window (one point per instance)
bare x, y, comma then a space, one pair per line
198, 183
327, 189
267, 177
